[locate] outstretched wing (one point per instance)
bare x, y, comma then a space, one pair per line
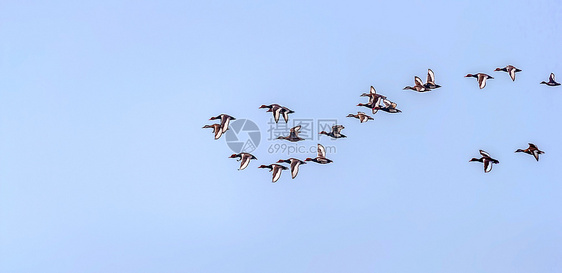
418, 81
295, 163
373, 91
321, 151
336, 129
218, 131
276, 174
276, 113
511, 71
245, 161
296, 129
286, 116
532, 146
484, 153
482, 80
430, 76
552, 77
487, 165
225, 121
536, 154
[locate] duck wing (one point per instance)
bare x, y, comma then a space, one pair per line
336, 129
536, 154
511, 70
321, 151
482, 80
418, 81
245, 160
276, 173
487, 165
295, 163
485, 154
552, 78
276, 113
225, 121
430, 76
217, 129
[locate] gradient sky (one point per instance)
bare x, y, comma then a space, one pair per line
104, 166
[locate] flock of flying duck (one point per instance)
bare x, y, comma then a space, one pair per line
376, 102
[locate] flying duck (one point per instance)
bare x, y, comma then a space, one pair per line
293, 135
430, 84
551, 81
216, 129
335, 133
362, 117
418, 85
244, 158
321, 158
389, 107
294, 163
278, 110
225, 121
487, 160
481, 78
510, 69
276, 168
532, 150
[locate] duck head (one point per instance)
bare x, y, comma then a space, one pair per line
350, 116
233, 156
499, 69
308, 159
474, 159
519, 151
283, 161
469, 75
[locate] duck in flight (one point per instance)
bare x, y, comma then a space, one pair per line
225, 121
293, 135
362, 117
510, 69
294, 164
532, 150
321, 158
335, 133
278, 111
551, 81
244, 158
481, 77
487, 160
276, 169
216, 129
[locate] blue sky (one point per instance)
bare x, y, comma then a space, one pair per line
104, 166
